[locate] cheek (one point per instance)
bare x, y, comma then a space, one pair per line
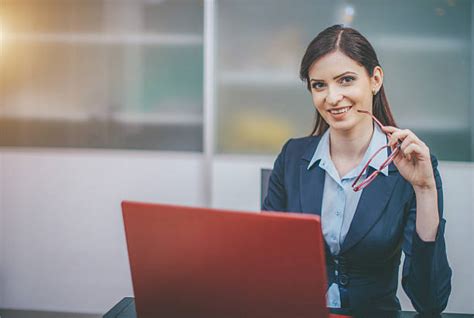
357, 94
317, 100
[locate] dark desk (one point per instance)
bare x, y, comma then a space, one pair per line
126, 309
19, 313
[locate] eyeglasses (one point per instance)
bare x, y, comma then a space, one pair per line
364, 183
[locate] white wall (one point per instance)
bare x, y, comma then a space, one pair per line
236, 181
63, 245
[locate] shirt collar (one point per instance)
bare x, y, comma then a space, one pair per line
378, 140
322, 150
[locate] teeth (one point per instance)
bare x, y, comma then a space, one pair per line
340, 111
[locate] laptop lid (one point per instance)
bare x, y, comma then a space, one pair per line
199, 262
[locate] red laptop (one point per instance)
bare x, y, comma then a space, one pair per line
196, 262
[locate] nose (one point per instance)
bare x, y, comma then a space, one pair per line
334, 96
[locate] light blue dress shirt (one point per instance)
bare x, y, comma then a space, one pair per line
339, 199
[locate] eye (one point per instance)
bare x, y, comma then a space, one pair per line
347, 79
317, 85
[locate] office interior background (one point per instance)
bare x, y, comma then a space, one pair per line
184, 101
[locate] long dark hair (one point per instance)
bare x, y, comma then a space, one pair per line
353, 44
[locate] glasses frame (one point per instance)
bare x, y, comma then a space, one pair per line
357, 187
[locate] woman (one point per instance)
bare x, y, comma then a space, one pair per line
401, 204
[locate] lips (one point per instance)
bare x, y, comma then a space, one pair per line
339, 110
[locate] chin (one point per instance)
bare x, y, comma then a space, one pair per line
342, 126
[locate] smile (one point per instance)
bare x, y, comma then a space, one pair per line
340, 110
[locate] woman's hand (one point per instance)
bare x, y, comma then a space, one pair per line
413, 160
414, 164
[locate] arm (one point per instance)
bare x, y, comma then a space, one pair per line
276, 194
426, 276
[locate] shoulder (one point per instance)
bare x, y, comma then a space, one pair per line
298, 147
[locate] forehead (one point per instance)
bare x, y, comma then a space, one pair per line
333, 64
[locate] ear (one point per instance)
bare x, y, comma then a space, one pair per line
377, 78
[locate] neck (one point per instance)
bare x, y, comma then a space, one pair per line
350, 145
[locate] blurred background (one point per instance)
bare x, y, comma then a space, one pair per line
184, 101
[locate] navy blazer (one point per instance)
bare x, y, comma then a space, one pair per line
383, 226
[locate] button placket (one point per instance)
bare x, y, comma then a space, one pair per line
341, 271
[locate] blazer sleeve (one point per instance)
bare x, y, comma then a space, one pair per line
426, 276
276, 199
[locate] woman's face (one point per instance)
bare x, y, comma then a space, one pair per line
339, 87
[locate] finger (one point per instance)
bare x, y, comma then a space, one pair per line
397, 136
414, 136
409, 139
414, 150
402, 134
413, 140
390, 129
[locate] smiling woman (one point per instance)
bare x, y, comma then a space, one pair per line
343, 93
401, 205
360, 73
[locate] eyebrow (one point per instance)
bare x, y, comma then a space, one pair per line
345, 73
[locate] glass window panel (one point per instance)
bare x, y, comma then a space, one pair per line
426, 59
102, 74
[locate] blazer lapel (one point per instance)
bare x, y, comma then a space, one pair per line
371, 206
311, 188
311, 182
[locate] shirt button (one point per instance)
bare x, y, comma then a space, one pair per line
334, 237
338, 213
344, 280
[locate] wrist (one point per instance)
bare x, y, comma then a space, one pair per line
426, 188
